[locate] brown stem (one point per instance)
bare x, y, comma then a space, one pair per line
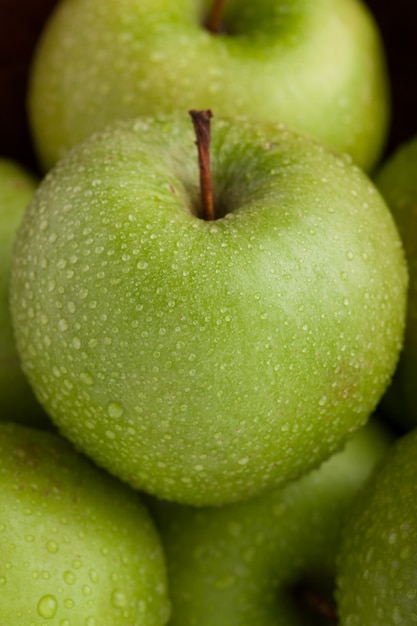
214, 20
201, 121
318, 604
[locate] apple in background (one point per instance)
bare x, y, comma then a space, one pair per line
17, 401
76, 546
206, 360
317, 65
21, 22
377, 574
397, 181
269, 561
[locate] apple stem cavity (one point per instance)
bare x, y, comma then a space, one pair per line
201, 121
214, 22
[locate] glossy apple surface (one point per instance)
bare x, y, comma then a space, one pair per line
17, 401
397, 181
76, 546
317, 65
204, 361
269, 561
377, 573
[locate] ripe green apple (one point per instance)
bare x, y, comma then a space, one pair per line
17, 401
269, 561
205, 360
317, 65
397, 180
76, 546
377, 572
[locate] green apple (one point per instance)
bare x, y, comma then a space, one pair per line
317, 65
397, 180
377, 572
206, 360
269, 561
76, 546
17, 401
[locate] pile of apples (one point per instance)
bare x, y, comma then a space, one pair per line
208, 337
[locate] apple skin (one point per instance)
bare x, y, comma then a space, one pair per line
204, 361
17, 401
76, 546
242, 564
317, 65
397, 181
377, 574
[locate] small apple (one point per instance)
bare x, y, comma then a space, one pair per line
317, 65
76, 546
204, 360
17, 401
269, 561
377, 573
397, 181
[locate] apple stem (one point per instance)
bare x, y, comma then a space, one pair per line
319, 605
201, 121
214, 19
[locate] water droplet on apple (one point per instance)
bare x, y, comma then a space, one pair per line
86, 589
397, 615
3, 581
63, 325
115, 410
69, 578
118, 599
349, 255
52, 546
86, 378
47, 606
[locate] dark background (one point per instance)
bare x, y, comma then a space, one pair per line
21, 22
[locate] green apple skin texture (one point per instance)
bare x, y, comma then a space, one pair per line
377, 572
17, 401
317, 65
238, 565
397, 181
205, 361
76, 546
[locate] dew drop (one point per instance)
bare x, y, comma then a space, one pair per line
118, 599
86, 378
115, 410
52, 547
93, 576
69, 578
86, 590
47, 606
397, 616
63, 324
